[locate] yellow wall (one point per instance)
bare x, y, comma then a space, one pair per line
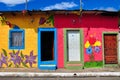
24, 22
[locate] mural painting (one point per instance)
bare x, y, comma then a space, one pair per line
4, 21
92, 48
27, 56
29, 23
17, 59
47, 20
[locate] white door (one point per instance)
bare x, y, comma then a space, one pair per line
73, 38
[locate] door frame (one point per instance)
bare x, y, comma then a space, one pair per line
81, 50
103, 49
47, 65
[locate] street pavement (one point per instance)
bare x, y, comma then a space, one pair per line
61, 78
60, 74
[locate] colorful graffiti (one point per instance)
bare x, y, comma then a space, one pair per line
44, 20
92, 46
17, 59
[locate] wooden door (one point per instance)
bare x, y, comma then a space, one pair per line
110, 48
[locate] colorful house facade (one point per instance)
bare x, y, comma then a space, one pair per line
59, 39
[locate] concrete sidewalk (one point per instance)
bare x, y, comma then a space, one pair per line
115, 69
35, 72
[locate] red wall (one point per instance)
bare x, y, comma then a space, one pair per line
91, 24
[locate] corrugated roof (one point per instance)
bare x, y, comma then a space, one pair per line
63, 12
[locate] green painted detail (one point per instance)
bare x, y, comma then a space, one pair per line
3, 20
111, 65
24, 64
74, 67
93, 64
10, 65
81, 49
21, 54
4, 52
51, 19
13, 51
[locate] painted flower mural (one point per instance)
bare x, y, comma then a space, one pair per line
3, 59
17, 59
89, 50
30, 59
92, 46
97, 49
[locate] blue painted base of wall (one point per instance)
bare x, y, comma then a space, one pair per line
47, 67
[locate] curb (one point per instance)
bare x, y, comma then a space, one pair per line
82, 74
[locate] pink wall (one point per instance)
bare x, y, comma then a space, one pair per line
91, 24
60, 48
95, 26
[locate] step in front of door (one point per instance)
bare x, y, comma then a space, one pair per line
47, 67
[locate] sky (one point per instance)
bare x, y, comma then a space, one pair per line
19, 5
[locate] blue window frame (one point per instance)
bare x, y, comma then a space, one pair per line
16, 39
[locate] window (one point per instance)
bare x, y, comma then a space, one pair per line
16, 39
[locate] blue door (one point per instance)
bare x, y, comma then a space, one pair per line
47, 56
